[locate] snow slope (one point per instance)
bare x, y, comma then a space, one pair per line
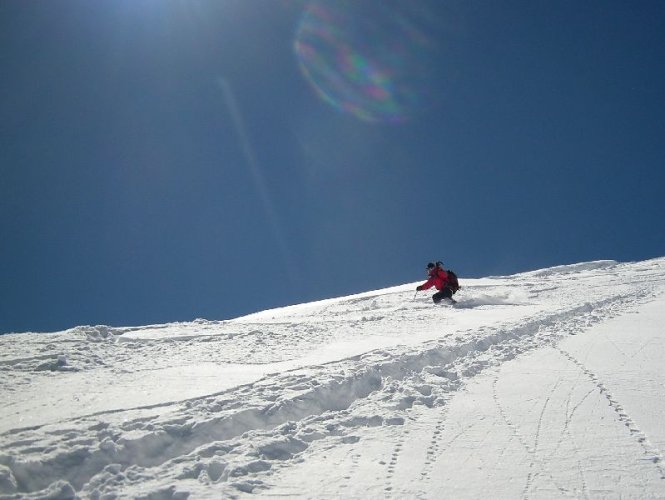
544, 384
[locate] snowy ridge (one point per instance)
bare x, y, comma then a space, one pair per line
322, 376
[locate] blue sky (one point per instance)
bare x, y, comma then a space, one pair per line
165, 160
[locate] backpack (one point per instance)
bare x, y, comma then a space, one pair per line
453, 284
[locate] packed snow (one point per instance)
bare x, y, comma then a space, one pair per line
545, 384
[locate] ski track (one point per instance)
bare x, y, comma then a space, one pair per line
651, 453
210, 439
537, 464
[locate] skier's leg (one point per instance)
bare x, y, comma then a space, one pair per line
446, 293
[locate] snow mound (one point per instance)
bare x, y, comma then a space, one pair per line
573, 268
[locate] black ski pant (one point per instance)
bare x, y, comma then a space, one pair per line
446, 293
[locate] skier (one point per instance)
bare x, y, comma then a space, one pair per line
438, 278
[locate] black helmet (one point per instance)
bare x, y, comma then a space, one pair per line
439, 264
430, 265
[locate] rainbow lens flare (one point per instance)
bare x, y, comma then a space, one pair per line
373, 59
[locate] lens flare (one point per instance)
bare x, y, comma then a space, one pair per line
370, 58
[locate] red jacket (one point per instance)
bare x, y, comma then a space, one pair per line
437, 278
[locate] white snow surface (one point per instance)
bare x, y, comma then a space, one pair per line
545, 384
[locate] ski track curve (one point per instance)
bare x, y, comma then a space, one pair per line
651, 452
209, 439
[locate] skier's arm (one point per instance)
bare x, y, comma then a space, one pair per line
428, 284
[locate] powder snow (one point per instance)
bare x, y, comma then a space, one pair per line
544, 384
